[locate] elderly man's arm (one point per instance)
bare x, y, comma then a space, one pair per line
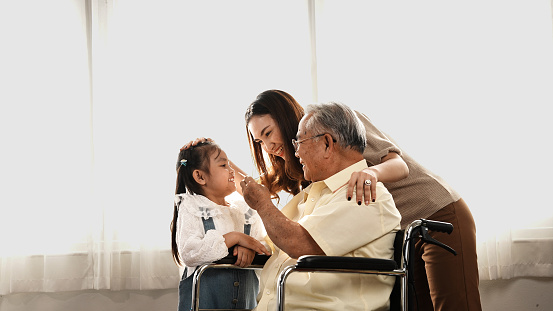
288, 235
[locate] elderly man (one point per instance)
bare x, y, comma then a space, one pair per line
320, 221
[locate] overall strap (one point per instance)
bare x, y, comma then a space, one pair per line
208, 223
247, 225
247, 229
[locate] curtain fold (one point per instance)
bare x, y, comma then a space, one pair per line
517, 252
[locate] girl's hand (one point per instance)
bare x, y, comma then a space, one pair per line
244, 256
195, 142
239, 238
364, 184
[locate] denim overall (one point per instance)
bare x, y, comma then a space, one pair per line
221, 288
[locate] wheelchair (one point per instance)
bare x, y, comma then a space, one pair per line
399, 267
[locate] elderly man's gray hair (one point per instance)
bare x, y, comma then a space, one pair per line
338, 120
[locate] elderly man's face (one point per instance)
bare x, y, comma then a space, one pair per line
308, 151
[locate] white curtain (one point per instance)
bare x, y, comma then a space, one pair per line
464, 87
98, 96
46, 147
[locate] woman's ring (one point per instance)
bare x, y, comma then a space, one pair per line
368, 182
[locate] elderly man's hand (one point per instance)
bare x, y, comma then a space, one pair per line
255, 195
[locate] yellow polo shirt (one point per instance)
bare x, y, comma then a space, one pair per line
340, 228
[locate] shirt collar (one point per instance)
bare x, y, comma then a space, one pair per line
334, 183
341, 178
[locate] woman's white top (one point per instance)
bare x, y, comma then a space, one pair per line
197, 247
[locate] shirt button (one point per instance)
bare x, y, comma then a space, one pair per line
312, 200
236, 284
235, 301
268, 292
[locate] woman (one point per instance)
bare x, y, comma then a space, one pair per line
449, 283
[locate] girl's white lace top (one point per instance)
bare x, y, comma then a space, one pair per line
197, 247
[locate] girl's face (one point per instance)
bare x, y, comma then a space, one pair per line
266, 132
220, 181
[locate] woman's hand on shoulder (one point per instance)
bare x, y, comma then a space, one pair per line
195, 142
363, 183
392, 168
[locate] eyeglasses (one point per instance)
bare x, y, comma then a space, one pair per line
296, 143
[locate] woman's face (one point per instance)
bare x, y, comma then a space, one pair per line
266, 132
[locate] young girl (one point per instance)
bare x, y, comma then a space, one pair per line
206, 223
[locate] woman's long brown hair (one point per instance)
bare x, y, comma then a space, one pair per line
278, 175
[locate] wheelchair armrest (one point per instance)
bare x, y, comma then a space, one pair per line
348, 263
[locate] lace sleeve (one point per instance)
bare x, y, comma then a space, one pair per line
211, 247
195, 247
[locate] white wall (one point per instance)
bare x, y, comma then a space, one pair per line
514, 294
519, 294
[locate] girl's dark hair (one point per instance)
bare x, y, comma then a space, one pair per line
280, 175
197, 158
